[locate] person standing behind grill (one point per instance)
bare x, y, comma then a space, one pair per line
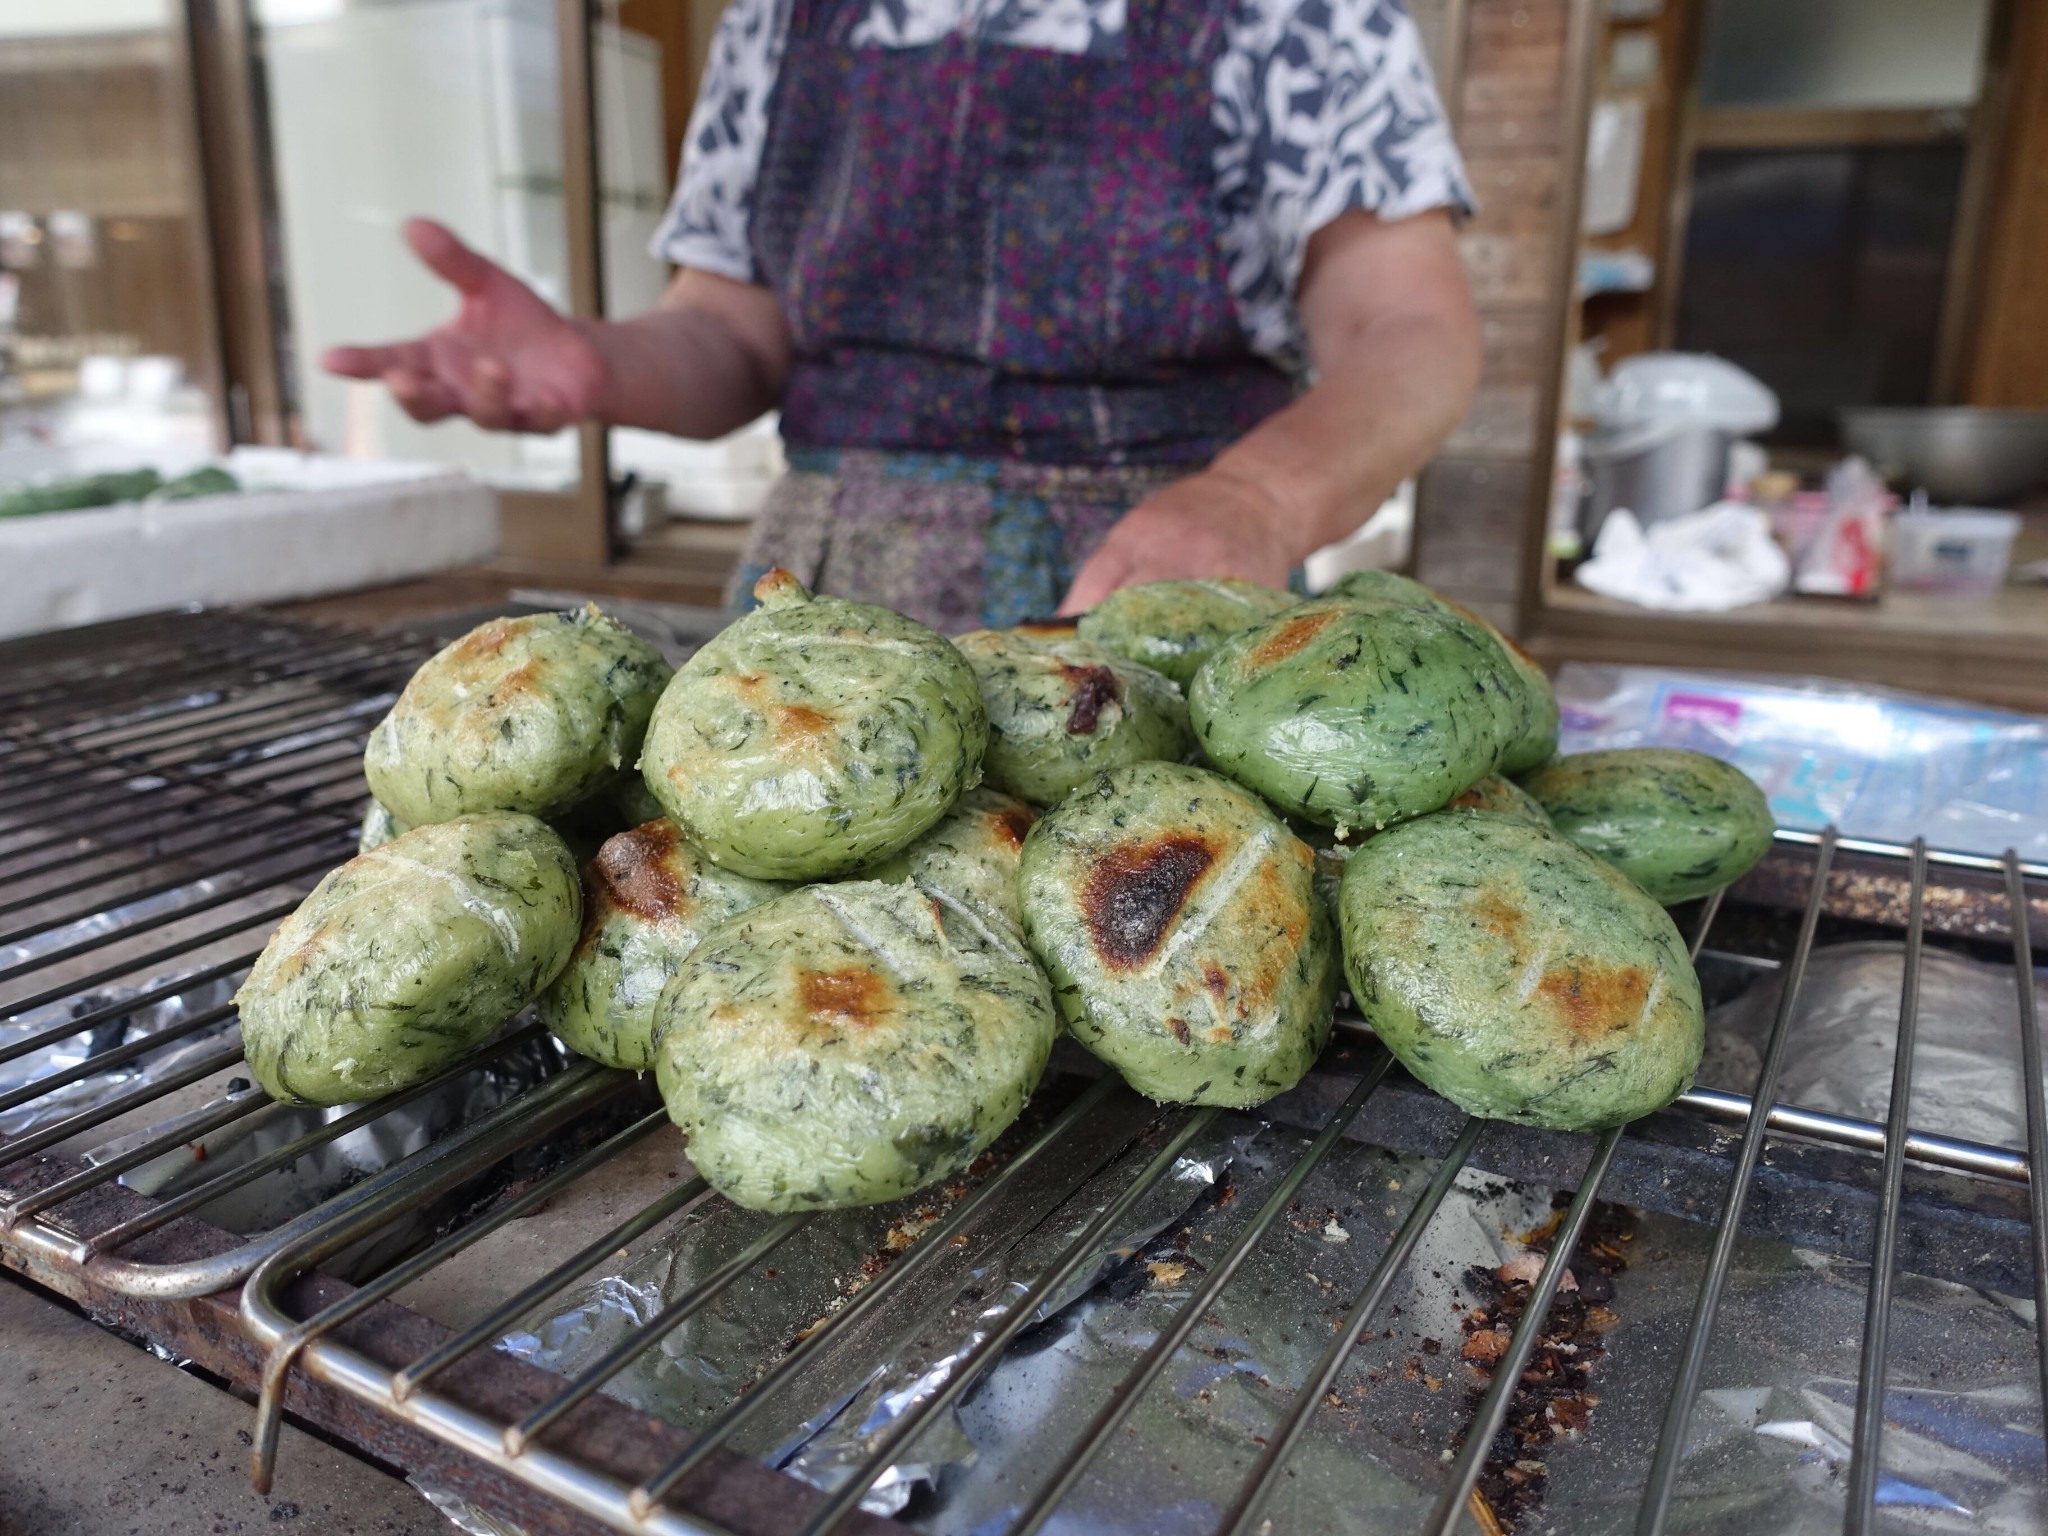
1054, 296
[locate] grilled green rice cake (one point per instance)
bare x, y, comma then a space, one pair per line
814, 736
970, 857
379, 827
1517, 975
1679, 824
1535, 737
408, 955
1061, 710
848, 1044
1502, 796
1356, 715
1388, 587
649, 898
1172, 626
1179, 921
528, 714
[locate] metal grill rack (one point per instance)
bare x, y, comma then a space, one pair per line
169, 788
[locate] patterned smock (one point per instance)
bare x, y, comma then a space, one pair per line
1037, 257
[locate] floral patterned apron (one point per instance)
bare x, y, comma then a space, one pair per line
1009, 315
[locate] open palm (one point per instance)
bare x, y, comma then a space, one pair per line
507, 361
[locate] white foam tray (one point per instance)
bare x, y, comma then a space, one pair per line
310, 526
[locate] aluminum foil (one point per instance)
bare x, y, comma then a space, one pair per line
1838, 1057
1963, 1449
113, 919
326, 1169
96, 1088
463, 1515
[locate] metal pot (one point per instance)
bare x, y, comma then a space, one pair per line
1657, 472
1958, 455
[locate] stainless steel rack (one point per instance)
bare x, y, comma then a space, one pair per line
221, 748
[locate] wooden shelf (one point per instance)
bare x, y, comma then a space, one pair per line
1994, 650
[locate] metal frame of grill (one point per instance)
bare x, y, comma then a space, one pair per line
225, 747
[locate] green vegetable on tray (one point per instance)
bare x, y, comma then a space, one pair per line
208, 480
82, 493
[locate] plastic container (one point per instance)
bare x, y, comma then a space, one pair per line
303, 526
1688, 388
1960, 550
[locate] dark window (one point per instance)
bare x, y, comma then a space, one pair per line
1821, 271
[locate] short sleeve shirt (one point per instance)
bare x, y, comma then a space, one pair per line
1320, 107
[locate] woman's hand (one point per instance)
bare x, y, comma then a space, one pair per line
507, 360
1396, 346
1215, 523
711, 357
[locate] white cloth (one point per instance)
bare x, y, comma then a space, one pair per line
1705, 562
1320, 106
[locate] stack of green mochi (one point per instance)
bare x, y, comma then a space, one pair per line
463, 905
862, 875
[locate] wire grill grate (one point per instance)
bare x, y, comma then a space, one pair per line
168, 790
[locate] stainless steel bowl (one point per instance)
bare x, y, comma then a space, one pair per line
1959, 455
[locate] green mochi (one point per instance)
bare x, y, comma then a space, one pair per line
1181, 926
1172, 626
407, 956
970, 857
814, 735
1535, 737
849, 1044
1503, 797
532, 714
649, 898
379, 827
1517, 975
1061, 710
1356, 715
1680, 824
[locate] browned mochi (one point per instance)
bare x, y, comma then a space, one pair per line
1061, 709
1517, 975
970, 857
536, 714
814, 736
848, 1043
1181, 926
649, 897
1136, 891
1172, 626
1355, 715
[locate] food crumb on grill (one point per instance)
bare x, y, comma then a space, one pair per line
1487, 1345
1334, 1233
1552, 1401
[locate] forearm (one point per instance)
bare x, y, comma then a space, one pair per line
1390, 390
678, 370
709, 359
